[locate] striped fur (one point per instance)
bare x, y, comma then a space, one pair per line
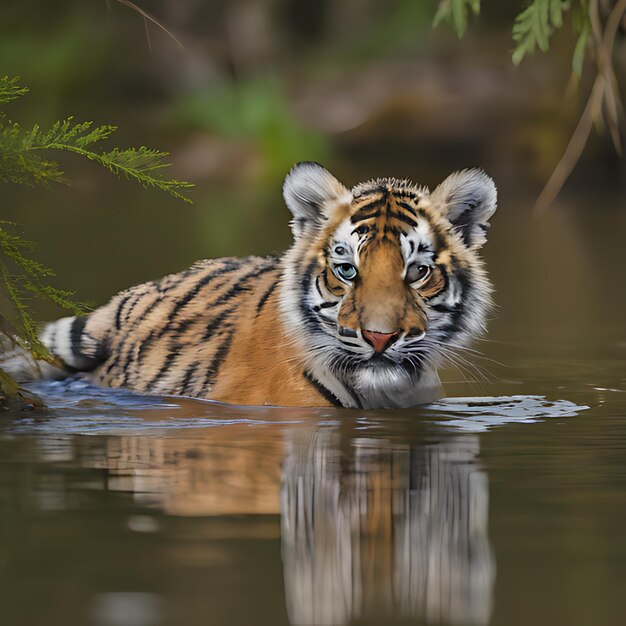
294, 330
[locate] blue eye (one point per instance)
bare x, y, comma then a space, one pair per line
347, 271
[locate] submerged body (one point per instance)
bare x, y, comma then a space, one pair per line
381, 283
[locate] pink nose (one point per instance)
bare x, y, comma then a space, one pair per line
379, 341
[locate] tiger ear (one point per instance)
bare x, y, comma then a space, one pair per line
312, 194
467, 199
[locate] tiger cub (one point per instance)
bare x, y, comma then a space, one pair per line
381, 283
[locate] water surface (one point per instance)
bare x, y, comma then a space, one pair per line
502, 504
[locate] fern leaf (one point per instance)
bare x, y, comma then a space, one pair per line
60, 297
456, 12
21, 163
141, 164
535, 25
10, 90
27, 329
12, 247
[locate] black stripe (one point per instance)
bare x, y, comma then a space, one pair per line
189, 374
265, 297
309, 318
444, 308
367, 207
361, 216
446, 283
118, 313
404, 193
328, 395
136, 299
317, 286
350, 343
324, 305
170, 359
76, 333
217, 321
113, 364
205, 280
404, 218
220, 354
242, 284
52, 342
88, 361
332, 290
411, 209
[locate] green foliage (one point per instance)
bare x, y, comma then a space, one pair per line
10, 90
22, 277
257, 111
534, 26
582, 26
455, 13
23, 161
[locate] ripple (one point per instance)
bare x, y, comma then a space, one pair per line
76, 406
484, 412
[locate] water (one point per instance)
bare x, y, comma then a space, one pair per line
503, 504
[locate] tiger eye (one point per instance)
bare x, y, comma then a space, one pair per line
347, 271
340, 250
416, 273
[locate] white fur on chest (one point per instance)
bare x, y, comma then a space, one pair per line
395, 389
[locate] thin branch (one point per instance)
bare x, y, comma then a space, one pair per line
152, 19
602, 91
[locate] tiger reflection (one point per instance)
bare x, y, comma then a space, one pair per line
369, 527
392, 530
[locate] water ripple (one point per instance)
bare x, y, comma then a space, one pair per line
76, 406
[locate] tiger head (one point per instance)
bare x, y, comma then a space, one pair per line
384, 281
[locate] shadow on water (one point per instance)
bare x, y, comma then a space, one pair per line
381, 517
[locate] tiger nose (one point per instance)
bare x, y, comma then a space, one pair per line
379, 341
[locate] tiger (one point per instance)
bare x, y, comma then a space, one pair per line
380, 285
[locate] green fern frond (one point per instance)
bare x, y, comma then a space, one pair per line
13, 247
19, 161
455, 13
29, 277
534, 26
10, 90
22, 162
26, 329
61, 297
21, 166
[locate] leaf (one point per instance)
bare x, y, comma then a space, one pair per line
455, 12
20, 163
10, 90
535, 25
580, 51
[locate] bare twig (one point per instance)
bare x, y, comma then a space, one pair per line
604, 91
148, 17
